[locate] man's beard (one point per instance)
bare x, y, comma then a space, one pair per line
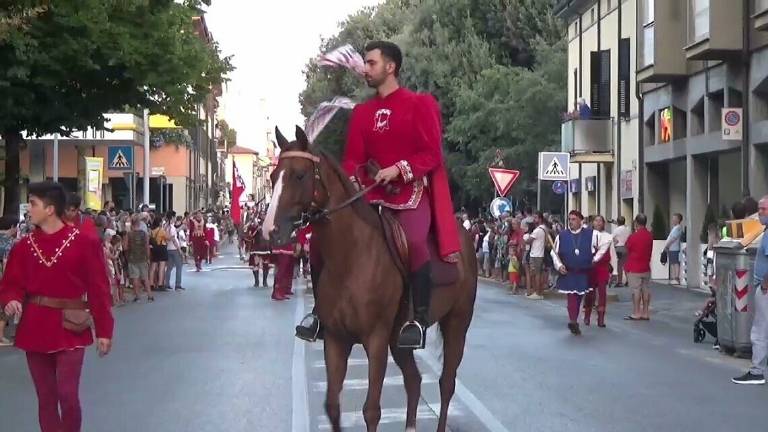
374, 83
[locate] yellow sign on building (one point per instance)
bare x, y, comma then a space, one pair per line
94, 172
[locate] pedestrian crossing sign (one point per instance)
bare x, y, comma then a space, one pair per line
120, 157
554, 166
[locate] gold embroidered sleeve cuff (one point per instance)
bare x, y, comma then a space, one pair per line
405, 170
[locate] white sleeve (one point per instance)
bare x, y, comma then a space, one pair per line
555, 254
602, 242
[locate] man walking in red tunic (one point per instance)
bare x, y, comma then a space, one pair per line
401, 131
48, 276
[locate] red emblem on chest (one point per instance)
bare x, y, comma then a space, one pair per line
381, 120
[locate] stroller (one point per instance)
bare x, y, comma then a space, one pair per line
706, 321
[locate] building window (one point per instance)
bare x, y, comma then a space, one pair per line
600, 83
698, 27
647, 18
624, 78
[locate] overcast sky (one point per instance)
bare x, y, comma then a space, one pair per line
271, 42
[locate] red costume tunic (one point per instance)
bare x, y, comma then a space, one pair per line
404, 129
77, 267
85, 224
197, 235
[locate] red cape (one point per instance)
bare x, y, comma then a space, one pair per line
443, 222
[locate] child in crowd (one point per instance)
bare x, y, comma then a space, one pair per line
514, 268
117, 270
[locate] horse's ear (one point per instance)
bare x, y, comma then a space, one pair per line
282, 142
301, 138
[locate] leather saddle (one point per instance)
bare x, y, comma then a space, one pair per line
443, 273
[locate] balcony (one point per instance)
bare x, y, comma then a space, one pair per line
761, 15
714, 30
660, 41
589, 140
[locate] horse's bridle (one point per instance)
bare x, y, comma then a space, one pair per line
317, 212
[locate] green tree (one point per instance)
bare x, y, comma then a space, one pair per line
498, 69
79, 59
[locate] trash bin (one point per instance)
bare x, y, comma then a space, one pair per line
734, 261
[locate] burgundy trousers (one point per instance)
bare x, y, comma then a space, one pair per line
57, 383
416, 224
284, 273
574, 301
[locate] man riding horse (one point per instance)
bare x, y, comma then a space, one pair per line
400, 130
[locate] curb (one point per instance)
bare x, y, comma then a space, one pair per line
548, 294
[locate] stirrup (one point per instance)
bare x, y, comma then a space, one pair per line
407, 337
309, 328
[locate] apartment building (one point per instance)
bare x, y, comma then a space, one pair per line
701, 99
604, 167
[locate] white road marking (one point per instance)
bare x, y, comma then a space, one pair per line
362, 383
465, 396
351, 362
388, 415
300, 420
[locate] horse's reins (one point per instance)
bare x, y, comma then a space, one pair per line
320, 213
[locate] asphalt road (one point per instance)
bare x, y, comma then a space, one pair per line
221, 357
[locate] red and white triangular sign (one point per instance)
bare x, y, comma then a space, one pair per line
503, 179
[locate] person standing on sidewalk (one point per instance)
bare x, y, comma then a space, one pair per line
620, 236
638, 267
46, 279
600, 274
175, 260
537, 239
759, 334
572, 256
672, 247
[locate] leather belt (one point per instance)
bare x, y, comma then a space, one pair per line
58, 303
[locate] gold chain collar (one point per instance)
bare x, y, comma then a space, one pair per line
43, 259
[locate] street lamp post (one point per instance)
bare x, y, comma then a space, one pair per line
146, 156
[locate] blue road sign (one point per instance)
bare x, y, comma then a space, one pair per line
554, 166
559, 187
120, 157
499, 206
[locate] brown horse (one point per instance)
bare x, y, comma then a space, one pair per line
360, 291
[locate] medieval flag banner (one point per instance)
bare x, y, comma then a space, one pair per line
238, 187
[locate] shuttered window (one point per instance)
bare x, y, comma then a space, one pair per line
625, 92
600, 83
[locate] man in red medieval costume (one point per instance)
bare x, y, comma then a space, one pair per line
401, 131
199, 240
53, 275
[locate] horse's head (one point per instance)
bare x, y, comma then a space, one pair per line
293, 187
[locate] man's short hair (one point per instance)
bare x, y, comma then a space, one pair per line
576, 213
390, 51
679, 216
50, 193
641, 219
620, 220
74, 201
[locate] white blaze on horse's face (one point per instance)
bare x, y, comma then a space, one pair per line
269, 222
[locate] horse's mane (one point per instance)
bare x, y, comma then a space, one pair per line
361, 207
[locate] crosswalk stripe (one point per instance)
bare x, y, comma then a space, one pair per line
388, 415
351, 362
362, 383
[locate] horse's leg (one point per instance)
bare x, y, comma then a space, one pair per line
412, 380
454, 330
336, 357
376, 348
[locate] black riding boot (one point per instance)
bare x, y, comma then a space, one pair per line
413, 334
264, 275
309, 329
256, 278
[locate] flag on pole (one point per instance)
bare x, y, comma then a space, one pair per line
238, 187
